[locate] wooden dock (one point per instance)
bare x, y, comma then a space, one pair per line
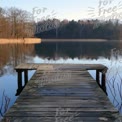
61, 93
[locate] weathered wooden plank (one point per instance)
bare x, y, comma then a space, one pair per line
62, 66
53, 114
58, 119
52, 109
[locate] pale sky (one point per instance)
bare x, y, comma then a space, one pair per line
67, 9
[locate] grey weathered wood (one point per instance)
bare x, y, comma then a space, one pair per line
104, 81
98, 77
26, 76
20, 78
58, 93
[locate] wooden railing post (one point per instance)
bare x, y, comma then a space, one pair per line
20, 86
98, 77
19, 79
25, 76
104, 82
19, 72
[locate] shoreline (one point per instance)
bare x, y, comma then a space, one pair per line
74, 40
20, 41
39, 40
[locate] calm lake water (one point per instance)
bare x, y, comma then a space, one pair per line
108, 54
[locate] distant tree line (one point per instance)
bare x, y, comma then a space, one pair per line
16, 23
78, 29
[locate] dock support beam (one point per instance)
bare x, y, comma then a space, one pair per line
20, 86
98, 77
26, 76
102, 84
19, 73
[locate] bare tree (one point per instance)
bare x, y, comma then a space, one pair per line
16, 23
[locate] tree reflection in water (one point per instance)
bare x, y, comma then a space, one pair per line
4, 104
12, 55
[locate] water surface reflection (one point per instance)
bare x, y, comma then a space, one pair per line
61, 52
